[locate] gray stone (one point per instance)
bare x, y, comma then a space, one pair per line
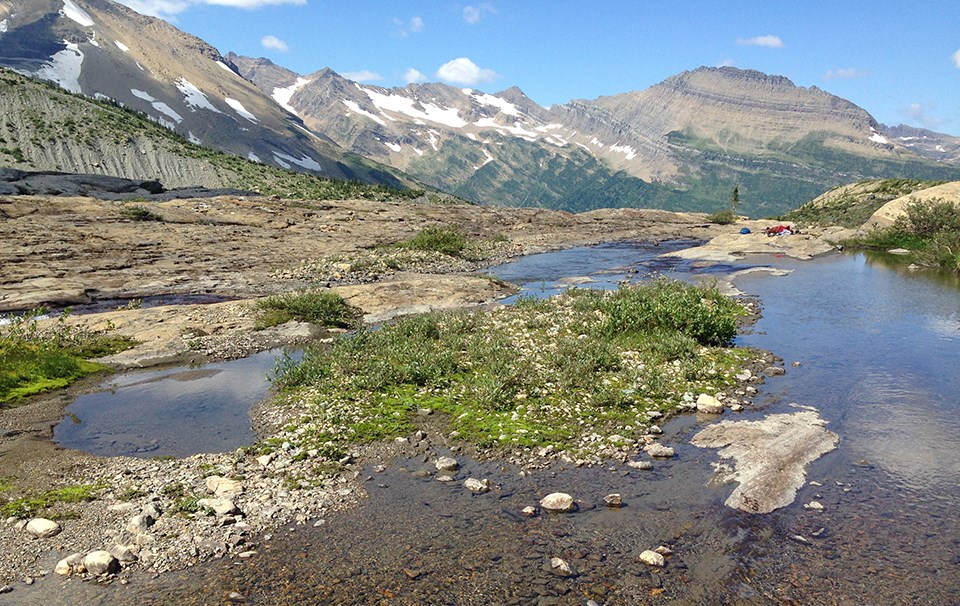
659, 451
559, 502
124, 553
613, 500
640, 464
43, 528
447, 464
100, 562
220, 507
139, 524
477, 486
221, 486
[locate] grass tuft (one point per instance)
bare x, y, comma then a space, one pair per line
321, 308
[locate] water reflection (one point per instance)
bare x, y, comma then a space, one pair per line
176, 412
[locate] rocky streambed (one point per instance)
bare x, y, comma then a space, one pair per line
157, 516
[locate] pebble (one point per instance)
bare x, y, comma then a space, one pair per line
640, 464
561, 567
529, 511
814, 505
652, 558
613, 500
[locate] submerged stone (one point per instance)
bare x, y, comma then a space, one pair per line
770, 456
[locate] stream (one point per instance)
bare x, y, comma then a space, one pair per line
877, 348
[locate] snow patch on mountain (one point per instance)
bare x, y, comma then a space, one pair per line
75, 13
306, 161
192, 138
515, 130
282, 95
3, 26
240, 109
64, 68
878, 138
626, 150
503, 105
194, 97
160, 106
354, 107
122, 46
448, 116
225, 66
254, 158
393, 146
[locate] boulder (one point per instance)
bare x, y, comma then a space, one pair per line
43, 528
139, 524
100, 562
559, 502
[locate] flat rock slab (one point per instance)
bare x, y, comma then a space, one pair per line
770, 456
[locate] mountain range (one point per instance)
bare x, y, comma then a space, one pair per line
681, 144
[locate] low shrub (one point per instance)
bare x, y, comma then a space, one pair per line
321, 308
445, 240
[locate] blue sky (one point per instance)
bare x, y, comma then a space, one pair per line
898, 60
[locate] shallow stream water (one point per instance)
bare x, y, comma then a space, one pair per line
877, 347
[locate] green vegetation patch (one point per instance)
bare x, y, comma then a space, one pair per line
140, 213
929, 229
444, 240
568, 372
322, 308
31, 506
35, 359
852, 206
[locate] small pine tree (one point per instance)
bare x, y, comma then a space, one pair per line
735, 199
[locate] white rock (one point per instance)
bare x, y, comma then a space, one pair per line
221, 486
63, 567
122, 507
100, 562
659, 451
477, 486
652, 558
814, 505
707, 404
139, 524
558, 501
265, 460
447, 464
640, 464
43, 528
529, 511
219, 506
124, 553
561, 567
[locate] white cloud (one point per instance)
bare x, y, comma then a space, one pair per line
956, 58
726, 63
414, 26
169, 9
473, 14
274, 43
464, 71
920, 113
364, 75
767, 41
413, 75
844, 73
